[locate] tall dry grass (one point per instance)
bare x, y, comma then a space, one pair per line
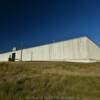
49, 81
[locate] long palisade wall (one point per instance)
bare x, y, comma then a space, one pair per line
61, 51
76, 50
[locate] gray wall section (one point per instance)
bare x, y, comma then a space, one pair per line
93, 50
76, 50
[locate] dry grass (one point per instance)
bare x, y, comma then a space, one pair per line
49, 81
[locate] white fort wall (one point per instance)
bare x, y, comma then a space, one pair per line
77, 50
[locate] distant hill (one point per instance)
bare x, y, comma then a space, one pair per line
49, 81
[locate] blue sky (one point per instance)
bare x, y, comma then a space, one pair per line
36, 22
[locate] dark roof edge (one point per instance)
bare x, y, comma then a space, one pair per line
84, 36
93, 41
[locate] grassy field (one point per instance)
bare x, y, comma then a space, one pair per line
49, 81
